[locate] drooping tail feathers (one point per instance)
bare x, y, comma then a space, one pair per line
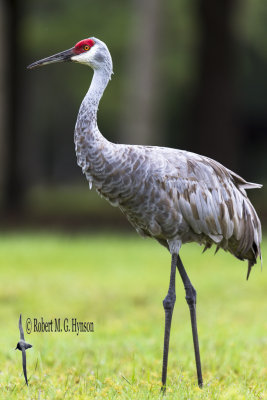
253, 228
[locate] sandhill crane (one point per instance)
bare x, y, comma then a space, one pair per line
171, 195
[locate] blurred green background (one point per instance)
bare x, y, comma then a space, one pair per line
187, 74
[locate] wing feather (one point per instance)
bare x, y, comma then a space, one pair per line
196, 193
21, 329
213, 201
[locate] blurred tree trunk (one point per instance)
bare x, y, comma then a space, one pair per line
140, 119
2, 96
213, 122
12, 185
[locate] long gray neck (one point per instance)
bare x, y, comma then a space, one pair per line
89, 142
87, 116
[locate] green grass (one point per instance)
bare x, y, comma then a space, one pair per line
119, 282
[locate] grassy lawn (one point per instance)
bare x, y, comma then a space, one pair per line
119, 282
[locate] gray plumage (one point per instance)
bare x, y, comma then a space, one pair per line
171, 195
23, 346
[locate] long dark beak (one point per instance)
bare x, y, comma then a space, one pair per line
59, 57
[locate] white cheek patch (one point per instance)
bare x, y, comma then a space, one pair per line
86, 57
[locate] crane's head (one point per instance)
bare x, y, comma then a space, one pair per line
92, 52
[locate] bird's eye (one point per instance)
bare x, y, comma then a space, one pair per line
86, 47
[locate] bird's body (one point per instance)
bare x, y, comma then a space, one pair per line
23, 345
171, 195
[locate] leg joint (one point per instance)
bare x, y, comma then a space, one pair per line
169, 301
191, 295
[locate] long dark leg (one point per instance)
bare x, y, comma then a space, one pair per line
191, 297
168, 304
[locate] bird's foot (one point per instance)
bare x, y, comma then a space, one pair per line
163, 390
